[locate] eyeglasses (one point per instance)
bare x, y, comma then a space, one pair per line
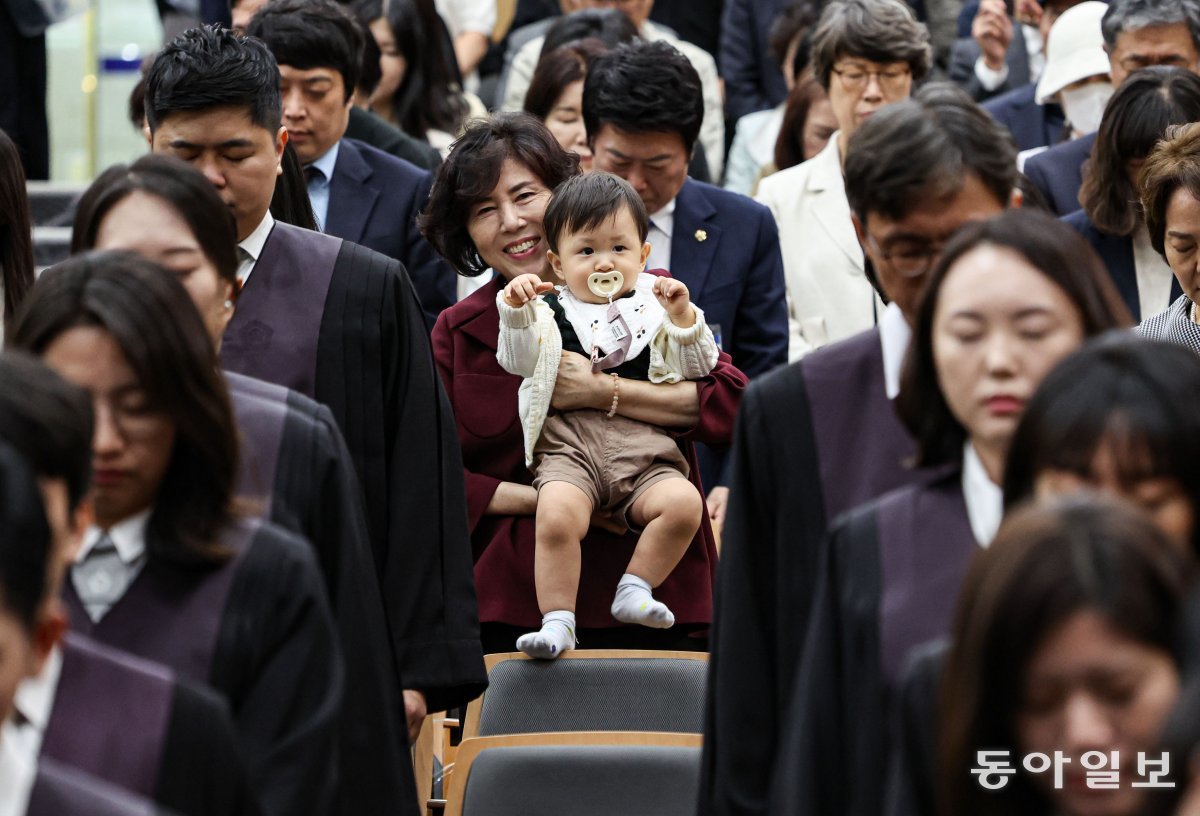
891, 80
909, 260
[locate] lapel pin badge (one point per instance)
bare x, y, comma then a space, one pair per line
701, 235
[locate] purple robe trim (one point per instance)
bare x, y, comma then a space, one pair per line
60, 791
861, 443
274, 331
260, 422
167, 615
925, 546
110, 716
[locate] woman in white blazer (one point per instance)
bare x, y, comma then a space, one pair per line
866, 54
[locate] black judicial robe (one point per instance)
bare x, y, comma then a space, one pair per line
297, 472
61, 791
139, 726
912, 770
813, 440
258, 630
342, 324
889, 579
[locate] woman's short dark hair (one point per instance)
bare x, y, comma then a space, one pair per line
610, 26
556, 71
25, 541
1173, 165
1047, 563
644, 87
181, 186
48, 421
307, 34
211, 67
16, 242
789, 146
881, 31
470, 172
1134, 395
584, 202
427, 98
151, 317
924, 146
1136, 118
1049, 246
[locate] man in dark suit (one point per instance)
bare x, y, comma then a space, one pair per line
753, 80
1137, 34
358, 193
23, 83
1031, 124
341, 324
999, 46
643, 105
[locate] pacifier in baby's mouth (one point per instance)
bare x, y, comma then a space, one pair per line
605, 284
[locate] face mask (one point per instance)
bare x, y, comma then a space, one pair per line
1084, 106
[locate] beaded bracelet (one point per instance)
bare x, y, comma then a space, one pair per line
612, 411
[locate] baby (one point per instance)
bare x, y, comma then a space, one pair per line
632, 325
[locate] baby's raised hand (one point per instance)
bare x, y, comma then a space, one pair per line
524, 288
674, 297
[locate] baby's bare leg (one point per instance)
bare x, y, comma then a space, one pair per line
563, 515
669, 513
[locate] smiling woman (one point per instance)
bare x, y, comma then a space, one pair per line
486, 214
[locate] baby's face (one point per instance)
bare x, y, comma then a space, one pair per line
612, 246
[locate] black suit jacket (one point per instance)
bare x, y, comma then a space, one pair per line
965, 52
368, 128
1031, 124
374, 199
753, 80
1058, 173
1117, 254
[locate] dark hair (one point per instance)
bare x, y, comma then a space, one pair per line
644, 87
428, 97
877, 30
608, 25
794, 22
470, 172
370, 72
1174, 164
211, 67
177, 183
789, 146
1136, 395
924, 146
48, 421
1136, 117
25, 540
151, 317
290, 202
1048, 245
307, 34
1047, 563
557, 70
16, 242
1129, 15
587, 201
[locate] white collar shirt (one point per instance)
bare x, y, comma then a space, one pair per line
983, 497
662, 226
894, 336
34, 703
250, 248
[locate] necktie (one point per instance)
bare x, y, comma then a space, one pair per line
622, 335
101, 578
313, 173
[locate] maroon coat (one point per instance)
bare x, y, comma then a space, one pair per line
484, 397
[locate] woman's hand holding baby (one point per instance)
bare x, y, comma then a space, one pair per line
674, 297
524, 288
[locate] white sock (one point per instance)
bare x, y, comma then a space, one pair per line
556, 636
635, 604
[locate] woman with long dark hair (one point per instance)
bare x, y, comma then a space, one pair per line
170, 570
1008, 299
295, 467
1137, 116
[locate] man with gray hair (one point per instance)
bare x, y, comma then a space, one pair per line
819, 437
1137, 34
